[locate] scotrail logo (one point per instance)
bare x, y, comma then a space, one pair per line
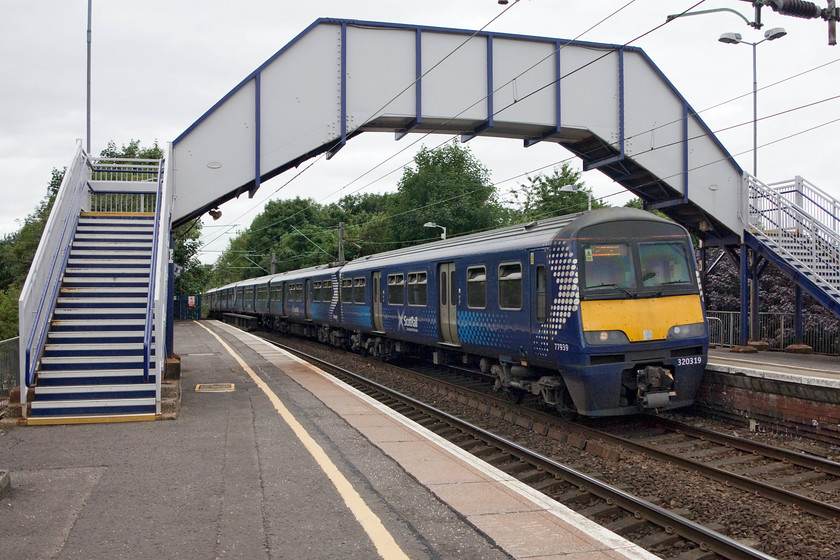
409, 323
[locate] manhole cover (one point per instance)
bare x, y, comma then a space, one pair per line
214, 387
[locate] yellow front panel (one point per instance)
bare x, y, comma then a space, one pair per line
641, 319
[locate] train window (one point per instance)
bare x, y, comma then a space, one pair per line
608, 265
664, 263
541, 309
316, 291
249, 294
510, 286
328, 291
396, 289
262, 292
277, 293
417, 283
477, 287
359, 290
347, 290
442, 286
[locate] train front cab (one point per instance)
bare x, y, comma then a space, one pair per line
642, 341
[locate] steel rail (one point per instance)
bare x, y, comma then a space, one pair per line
792, 457
704, 537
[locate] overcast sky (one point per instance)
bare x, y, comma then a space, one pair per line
158, 65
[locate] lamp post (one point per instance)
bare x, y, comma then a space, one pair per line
574, 189
734, 39
434, 225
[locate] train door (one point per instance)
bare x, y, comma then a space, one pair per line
538, 293
377, 301
307, 298
448, 299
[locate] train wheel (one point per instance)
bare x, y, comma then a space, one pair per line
513, 395
566, 407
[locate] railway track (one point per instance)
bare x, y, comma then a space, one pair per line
664, 532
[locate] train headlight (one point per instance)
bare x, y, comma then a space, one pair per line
692, 330
604, 338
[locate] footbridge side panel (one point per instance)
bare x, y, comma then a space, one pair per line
606, 103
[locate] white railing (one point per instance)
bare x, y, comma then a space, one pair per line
813, 201
102, 185
37, 299
160, 276
798, 235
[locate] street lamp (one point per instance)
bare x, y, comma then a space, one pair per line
574, 189
432, 224
734, 39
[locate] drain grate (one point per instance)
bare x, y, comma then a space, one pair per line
214, 387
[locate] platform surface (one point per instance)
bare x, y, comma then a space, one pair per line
239, 474
808, 369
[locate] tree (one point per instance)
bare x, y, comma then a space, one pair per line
132, 151
193, 276
449, 187
542, 197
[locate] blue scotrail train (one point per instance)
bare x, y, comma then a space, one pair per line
598, 314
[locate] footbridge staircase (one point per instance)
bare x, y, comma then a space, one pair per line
796, 226
608, 104
92, 309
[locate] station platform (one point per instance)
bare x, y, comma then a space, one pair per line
806, 369
285, 463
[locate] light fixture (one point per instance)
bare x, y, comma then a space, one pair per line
215, 213
775, 33
735, 39
730, 38
574, 189
433, 225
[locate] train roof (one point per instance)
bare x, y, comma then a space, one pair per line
533, 234
522, 236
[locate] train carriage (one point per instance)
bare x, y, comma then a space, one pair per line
597, 313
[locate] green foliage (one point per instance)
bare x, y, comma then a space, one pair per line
9, 311
449, 187
133, 151
543, 196
193, 275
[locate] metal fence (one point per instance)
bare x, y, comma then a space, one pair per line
9, 365
776, 329
123, 202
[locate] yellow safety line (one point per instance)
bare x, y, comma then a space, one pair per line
385, 544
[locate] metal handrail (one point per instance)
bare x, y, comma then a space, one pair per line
821, 200
51, 282
788, 220
147, 333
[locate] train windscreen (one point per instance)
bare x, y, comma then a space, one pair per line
642, 259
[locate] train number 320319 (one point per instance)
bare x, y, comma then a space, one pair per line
694, 360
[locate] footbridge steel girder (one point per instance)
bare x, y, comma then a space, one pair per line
608, 104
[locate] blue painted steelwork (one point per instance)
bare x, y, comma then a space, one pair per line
621, 103
800, 277
257, 134
36, 337
685, 152
150, 297
745, 269
343, 95
454, 31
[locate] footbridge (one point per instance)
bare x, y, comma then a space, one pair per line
608, 104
